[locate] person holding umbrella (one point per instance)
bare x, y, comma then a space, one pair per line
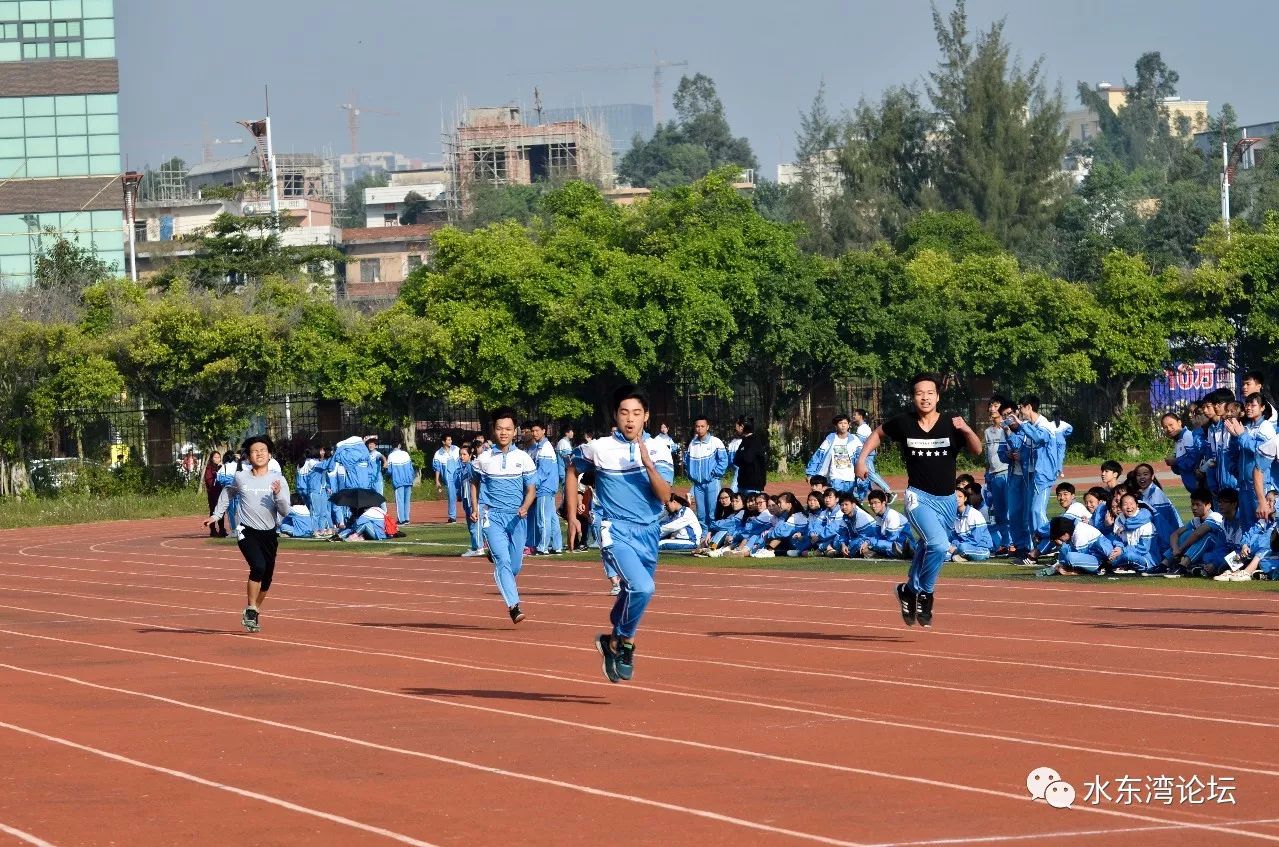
370, 506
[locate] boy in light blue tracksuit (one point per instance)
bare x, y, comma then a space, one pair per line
445, 463
1134, 537
403, 475
1250, 434
503, 484
823, 528
354, 457
892, 538
545, 523
836, 459
465, 476
705, 462
297, 523
564, 449
995, 481
377, 465
318, 488
856, 529
1220, 446
1191, 544
1186, 450
1040, 438
369, 525
680, 530
1083, 547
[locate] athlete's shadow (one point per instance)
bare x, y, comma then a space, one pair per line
1176, 611
188, 631
811, 636
490, 694
433, 625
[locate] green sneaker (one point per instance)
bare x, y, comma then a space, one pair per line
626, 660
249, 620
604, 643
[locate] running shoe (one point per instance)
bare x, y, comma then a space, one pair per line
471, 554
615, 590
515, 613
625, 661
958, 557
251, 621
604, 643
906, 598
924, 614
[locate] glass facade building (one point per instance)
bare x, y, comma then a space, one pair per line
59, 132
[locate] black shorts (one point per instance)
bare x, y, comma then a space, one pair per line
258, 546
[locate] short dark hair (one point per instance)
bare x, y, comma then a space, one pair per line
1170, 414
1031, 400
860, 411
1098, 492
1256, 376
840, 417
847, 497
935, 379
1059, 526
629, 392
1201, 495
818, 479
258, 439
506, 412
1227, 495
538, 424
680, 498
1005, 406
1065, 486
702, 418
1001, 400
1112, 466
964, 479
748, 423
973, 489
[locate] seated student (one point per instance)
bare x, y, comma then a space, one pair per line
297, 523
1244, 552
722, 509
1264, 563
1134, 536
823, 528
680, 529
369, 526
1094, 498
787, 530
1072, 508
1110, 473
726, 525
892, 538
856, 528
1081, 547
1150, 492
757, 521
1206, 531
813, 515
1108, 512
970, 539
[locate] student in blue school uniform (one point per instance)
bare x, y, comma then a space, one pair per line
403, 475
466, 476
633, 476
788, 529
1186, 449
502, 482
1251, 432
860, 424
445, 463
970, 536
892, 537
836, 460
546, 535
297, 523
1082, 548
1136, 550
730, 519
856, 529
705, 462
681, 531
734, 443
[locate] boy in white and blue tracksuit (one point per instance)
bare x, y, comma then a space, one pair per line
1186, 450
403, 475
995, 484
863, 430
503, 484
369, 525
297, 523
705, 463
1083, 546
377, 465
892, 538
633, 475
544, 522
318, 493
1256, 432
836, 460
856, 528
564, 450
680, 529
445, 463
1039, 437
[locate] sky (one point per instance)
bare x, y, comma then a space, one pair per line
190, 70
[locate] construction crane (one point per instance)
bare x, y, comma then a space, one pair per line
353, 110
657, 67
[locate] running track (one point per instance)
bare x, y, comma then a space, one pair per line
388, 700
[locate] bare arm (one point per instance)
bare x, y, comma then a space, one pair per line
872, 444
570, 499
1259, 488
970, 437
475, 498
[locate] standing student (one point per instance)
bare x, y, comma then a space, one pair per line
995, 480
262, 496
861, 428
213, 489
633, 475
403, 475
930, 445
1039, 460
664, 436
835, 458
1254, 382
706, 460
734, 443
377, 465
465, 476
318, 488
502, 483
545, 530
445, 463
752, 459
1184, 459
564, 448
1250, 433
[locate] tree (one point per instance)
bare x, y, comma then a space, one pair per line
81, 381
493, 203
67, 266
351, 214
1001, 144
689, 148
406, 354
1140, 134
417, 209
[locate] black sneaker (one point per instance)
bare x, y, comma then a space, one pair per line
604, 643
626, 660
906, 598
925, 613
250, 621
515, 613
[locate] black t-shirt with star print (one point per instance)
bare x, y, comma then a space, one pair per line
930, 456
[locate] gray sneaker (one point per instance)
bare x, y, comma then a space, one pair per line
250, 621
626, 660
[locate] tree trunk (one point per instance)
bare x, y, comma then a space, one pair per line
79, 442
1123, 393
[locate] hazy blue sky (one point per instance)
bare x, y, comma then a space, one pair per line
185, 64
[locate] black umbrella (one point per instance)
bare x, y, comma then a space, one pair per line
357, 498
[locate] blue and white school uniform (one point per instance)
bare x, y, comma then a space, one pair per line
466, 473
297, 523
995, 485
786, 528
336, 478
823, 529
732, 447
563, 454
371, 524
403, 475
629, 515
377, 465
726, 529
1186, 456
680, 532
1214, 538
892, 535
1166, 518
1087, 550
1249, 458
546, 532
971, 537
506, 476
836, 459
855, 529
863, 432
317, 477
1221, 451
445, 462
1136, 537
757, 529
1039, 439
705, 463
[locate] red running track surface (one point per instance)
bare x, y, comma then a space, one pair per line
389, 700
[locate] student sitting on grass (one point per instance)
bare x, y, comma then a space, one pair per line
1134, 536
369, 526
970, 539
756, 525
787, 529
727, 528
892, 538
855, 530
1243, 557
1081, 547
1190, 544
824, 518
1070, 507
680, 529
297, 523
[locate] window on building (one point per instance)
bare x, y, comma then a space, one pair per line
370, 270
140, 231
415, 262
390, 219
294, 185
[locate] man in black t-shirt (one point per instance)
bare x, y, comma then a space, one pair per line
930, 444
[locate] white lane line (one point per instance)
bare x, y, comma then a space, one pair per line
199, 780
809, 710
24, 836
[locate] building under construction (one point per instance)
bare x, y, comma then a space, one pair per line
494, 146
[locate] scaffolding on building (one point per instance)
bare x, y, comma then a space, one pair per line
494, 146
171, 182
